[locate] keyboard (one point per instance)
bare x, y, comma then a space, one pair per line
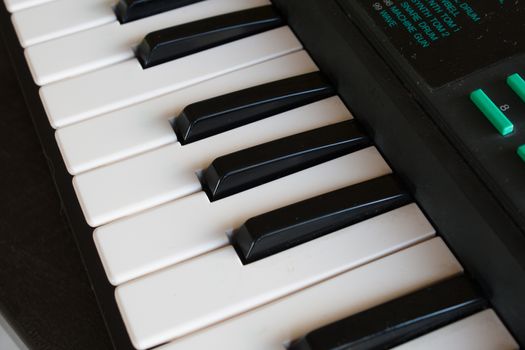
287, 174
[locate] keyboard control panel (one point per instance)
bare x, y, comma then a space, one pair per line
464, 62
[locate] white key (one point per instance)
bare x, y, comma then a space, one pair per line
59, 18
271, 326
481, 331
168, 173
192, 226
17, 5
216, 286
72, 100
112, 43
142, 127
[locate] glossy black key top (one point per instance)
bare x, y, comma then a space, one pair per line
283, 228
131, 10
222, 113
253, 166
400, 320
175, 42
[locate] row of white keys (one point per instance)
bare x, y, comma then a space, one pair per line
59, 18
126, 83
113, 42
192, 226
273, 326
142, 127
170, 172
481, 331
216, 286
17, 5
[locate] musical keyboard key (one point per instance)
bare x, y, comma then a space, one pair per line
112, 43
256, 165
295, 224
398, 320
131, 10
215, 115
168, 234
184, 298
273, 326
59, 18
179, 41
481, 331
127, 83
17, 5
145, 126
170, 172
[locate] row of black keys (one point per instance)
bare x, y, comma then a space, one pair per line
381, 327
296, 224
182, 40
283, 228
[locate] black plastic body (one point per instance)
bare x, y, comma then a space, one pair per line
286, 227
238, 171
215, 115
399, 320
182, 40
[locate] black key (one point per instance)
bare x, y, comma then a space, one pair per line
175, 42
256, 165
222, 113
400, 320
278, 230
131, 10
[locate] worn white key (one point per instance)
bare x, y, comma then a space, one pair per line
112, 43
168, 173
271, 326
481, 331
142, 127
17, 5
72, 100
192, 226
216, 286
59, 18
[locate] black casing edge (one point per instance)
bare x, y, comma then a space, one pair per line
479, 231
82, 232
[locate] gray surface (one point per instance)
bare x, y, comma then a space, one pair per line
8, 338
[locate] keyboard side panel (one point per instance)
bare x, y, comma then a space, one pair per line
83, 234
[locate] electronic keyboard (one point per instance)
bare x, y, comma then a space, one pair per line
301, 174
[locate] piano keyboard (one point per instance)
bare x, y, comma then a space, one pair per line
234, 200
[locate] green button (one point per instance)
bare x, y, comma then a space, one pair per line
516, 83
521, 152
492, 112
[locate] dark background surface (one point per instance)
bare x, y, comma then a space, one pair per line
44, 291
